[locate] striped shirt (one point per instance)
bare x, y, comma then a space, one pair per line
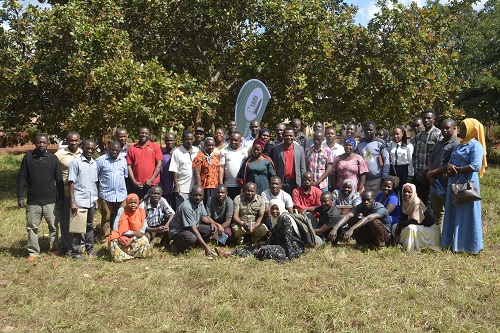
424, 145
112, 174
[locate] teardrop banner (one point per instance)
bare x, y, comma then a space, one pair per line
250, 105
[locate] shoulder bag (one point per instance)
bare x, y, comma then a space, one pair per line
464, 192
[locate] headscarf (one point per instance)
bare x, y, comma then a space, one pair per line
352, 141
281, 207
129, 220
414, 208
260, 142
475, 130
208, 156
347, 200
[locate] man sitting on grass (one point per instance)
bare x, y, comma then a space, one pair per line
368, 223
191, 224
220, 209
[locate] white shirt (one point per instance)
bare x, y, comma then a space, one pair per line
182, 163
337, 149
283, 196
401, 156
248, 141
231, 160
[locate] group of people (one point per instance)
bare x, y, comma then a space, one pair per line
378, 190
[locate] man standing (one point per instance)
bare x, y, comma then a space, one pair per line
337, 149
181, 165
122, 137
166, 177
368, 222
289, 161
279, 129
199, 137
41, 173
144, 164
438, 166
319, 159
417, 126
254, 133
191, 224
65, 156
376, 156
232, 127
424, 145
300, 137
112, 171
249, 208
316, 127
231, 158
82, 179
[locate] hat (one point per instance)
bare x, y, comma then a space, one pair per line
200, 129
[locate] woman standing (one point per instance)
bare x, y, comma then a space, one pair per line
257, 168
400, 156
219, 138
419, 232
349, 165
127, 240
206, 167
462, 230
265, 135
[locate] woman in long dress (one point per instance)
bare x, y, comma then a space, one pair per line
349, 165
462, 229
127, 240
419, 232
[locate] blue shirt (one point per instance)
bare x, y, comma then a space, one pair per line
83, 174
112, 174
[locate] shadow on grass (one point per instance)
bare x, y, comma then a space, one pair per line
18, 249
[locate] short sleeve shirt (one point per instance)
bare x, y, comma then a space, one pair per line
209, 171
283, 196
182, 164
378, 208
317, 161
83, 174
232, 159
65, 156
187, 215
219, 213
155, 215
328, 217
143, 161
248, 210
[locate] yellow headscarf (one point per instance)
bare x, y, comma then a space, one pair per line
475, 130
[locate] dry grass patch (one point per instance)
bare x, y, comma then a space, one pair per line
341, 289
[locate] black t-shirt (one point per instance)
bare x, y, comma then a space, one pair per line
329, 217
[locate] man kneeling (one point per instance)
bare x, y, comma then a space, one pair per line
191, 224
368, 223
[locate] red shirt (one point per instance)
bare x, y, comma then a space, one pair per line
302, 200
289, 162
143, 161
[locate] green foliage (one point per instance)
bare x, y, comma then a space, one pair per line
92, 65
481, 57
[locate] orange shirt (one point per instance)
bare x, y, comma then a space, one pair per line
209, 172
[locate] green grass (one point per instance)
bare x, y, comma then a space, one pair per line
341, 289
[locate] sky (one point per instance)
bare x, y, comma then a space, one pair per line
366, 8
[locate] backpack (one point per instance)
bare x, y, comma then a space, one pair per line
303, 228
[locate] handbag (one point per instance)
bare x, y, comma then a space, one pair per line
464, 192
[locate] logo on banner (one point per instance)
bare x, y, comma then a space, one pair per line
253, 104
